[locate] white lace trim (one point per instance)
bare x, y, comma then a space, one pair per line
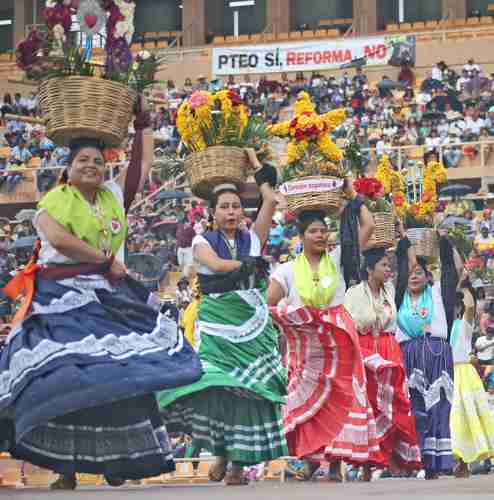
432, 393
165, 336
251, 329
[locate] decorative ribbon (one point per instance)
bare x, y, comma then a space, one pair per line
88, 51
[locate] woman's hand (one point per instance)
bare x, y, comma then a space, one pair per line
118, 270
253, 160
401, 228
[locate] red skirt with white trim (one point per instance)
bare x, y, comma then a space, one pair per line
387, 393
327, 416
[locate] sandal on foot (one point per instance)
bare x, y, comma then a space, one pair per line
307, 472
334, 473
217, 472
67, 483
236, 480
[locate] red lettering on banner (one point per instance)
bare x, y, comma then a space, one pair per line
381, 51
290, 58
337, 56
326, 57
369, 52
348, 55
300, 58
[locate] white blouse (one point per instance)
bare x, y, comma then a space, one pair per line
285, 277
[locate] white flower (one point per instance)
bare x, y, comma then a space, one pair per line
59, 32
51, 3
144, 55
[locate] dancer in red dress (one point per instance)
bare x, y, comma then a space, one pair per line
372, 307
328, 416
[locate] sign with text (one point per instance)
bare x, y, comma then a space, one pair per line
312, 55
311, 185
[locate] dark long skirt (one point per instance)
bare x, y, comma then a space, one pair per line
429, 365
77, 380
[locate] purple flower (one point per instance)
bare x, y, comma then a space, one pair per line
119, 57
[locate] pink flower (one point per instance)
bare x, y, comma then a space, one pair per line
198, 99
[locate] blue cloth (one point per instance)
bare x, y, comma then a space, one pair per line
429, 366
413, 321
276, 235
219, 245
77, 381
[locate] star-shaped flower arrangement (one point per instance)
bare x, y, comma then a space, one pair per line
311, 150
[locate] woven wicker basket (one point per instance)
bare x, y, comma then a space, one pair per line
328, 201
424, 240
216, 165
78, 106
384, 230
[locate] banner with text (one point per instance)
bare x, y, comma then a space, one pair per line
313, 55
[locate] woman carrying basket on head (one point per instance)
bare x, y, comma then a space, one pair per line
328, 416
426, 311
79, 372
235, 409
371, 305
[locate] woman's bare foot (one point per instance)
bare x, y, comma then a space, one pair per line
236, 476
64, 482
462, 470
366, 474
308, 471
218, 470
334, 473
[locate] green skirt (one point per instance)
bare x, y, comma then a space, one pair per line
234, 410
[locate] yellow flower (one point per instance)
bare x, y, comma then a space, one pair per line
329, 149
334, 118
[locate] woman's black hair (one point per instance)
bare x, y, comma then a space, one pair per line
76, 145
449, 276
213, 201
307, 217
371, 258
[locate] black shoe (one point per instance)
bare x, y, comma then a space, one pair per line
114, 481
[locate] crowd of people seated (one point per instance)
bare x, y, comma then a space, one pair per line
445, 110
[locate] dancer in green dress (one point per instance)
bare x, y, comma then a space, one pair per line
235, 409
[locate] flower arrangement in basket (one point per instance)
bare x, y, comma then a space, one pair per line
373, 193
418, 215
313, 175
215, 128
79, 95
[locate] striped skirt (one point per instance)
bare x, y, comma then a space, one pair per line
234, 411
328, 415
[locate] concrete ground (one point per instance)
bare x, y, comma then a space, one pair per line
476, 488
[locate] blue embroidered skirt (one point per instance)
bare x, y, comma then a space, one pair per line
78, 377
429, 365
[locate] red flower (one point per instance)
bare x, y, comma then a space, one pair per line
299, 134
235, 98
369, 187
294, 122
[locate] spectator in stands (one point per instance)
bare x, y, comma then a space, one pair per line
46, 177
7, 106
184, 235
470, 67
406, 76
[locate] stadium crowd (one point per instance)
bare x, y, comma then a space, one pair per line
445, 110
